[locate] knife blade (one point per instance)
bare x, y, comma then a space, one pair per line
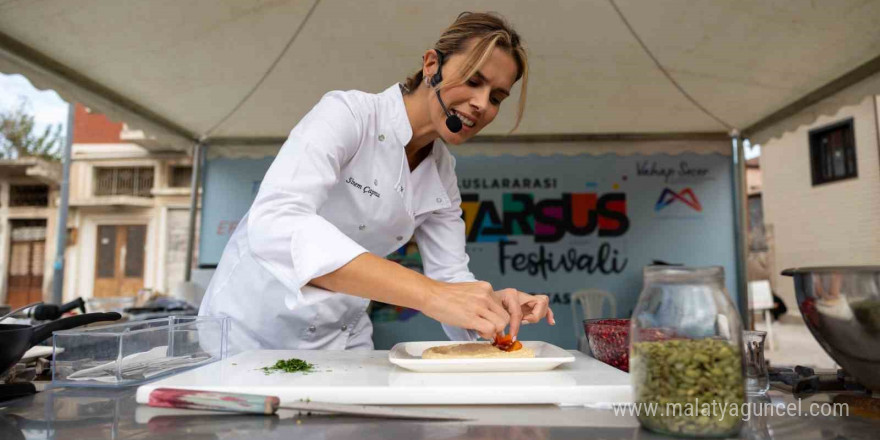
259, 404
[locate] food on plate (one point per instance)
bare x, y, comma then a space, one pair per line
474, 350
506, 343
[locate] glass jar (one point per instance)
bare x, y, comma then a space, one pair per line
686, 361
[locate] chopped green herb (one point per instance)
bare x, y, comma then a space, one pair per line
292, 365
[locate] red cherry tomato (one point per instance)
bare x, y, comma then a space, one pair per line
506, 343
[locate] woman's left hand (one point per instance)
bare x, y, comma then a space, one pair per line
532, 308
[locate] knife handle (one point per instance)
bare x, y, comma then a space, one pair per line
214, 401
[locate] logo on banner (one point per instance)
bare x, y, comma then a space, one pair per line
686, 196
684, 172
547, 220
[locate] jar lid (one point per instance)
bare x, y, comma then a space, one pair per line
681, 274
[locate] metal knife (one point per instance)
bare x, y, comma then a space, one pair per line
259, 404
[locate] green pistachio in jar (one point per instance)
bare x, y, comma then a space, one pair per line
694, 386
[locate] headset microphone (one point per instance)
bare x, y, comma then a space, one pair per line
453, 122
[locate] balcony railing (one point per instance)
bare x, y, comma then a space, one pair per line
124, 181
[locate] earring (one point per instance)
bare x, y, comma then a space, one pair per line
427, 82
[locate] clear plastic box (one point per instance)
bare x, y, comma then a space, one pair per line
133, 353
110, 304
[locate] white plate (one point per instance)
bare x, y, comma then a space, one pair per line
409, 355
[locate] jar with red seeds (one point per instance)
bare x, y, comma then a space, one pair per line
609, 341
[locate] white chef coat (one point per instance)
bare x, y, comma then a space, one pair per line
340, 186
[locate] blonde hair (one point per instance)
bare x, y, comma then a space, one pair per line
490, 31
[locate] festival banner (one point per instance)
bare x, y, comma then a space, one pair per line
551, 225
229, 187
556, 225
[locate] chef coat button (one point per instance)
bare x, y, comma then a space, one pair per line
381, 137
439, 200
362, 227
375, 181
344, 327
399, 237
312, 329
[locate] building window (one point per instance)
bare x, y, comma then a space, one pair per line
180, 177
124, 181
28, 195
833, 153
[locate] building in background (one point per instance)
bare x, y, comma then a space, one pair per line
821, 193
129, 211
759, 257
28, 211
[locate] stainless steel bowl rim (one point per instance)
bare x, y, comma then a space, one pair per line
826, 269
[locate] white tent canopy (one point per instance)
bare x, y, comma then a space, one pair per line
185, 70
241, 73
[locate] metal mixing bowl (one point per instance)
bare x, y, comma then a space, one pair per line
841, 306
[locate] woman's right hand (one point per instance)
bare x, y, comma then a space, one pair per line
470, 305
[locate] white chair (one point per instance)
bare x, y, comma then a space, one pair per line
591, 303
761, 299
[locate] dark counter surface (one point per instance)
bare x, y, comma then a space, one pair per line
90, 413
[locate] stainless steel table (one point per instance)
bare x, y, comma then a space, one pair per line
89, 413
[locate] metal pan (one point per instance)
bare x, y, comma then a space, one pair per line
841, 307
18, 338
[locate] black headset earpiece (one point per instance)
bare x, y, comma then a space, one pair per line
453, 123
437, 77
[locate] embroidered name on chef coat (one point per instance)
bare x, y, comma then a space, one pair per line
364, 189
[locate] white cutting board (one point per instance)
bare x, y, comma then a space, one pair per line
367, 377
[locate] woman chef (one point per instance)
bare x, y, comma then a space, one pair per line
359, 175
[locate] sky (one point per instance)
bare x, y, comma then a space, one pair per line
752, 151
48, 108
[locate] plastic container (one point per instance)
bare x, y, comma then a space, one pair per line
695, 379
133, 353
110, 304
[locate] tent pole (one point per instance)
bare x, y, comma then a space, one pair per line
61, 234
195, 184
740, 234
